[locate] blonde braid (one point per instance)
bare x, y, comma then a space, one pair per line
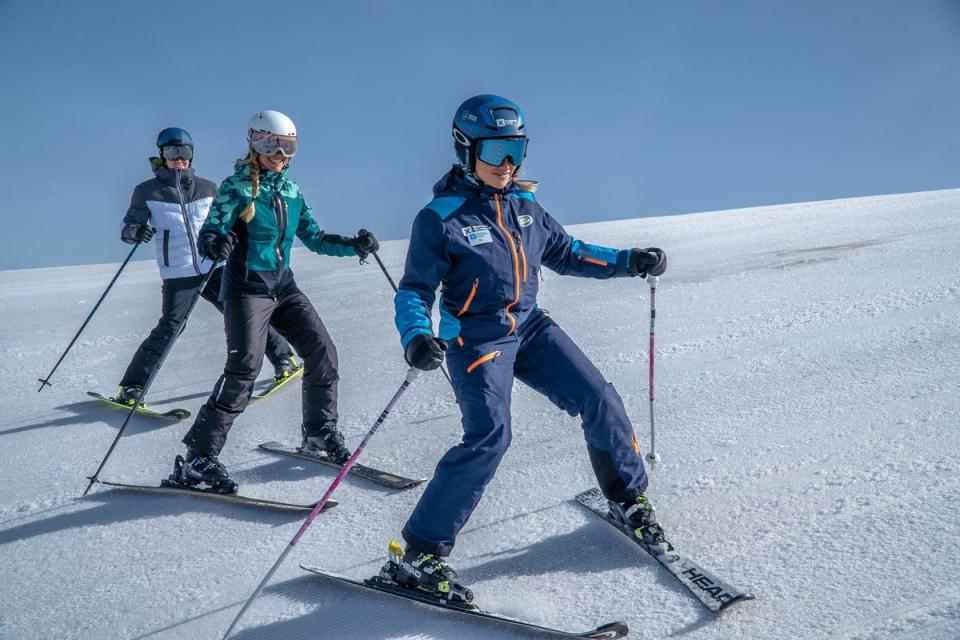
247, 214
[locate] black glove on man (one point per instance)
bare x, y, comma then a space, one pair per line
365, 243
136, 232
424, 352
215, 246
648, 262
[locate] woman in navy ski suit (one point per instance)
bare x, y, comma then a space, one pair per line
483, 238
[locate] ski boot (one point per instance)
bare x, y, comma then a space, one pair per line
327, 443
129, 395
424, 572
638, 517
198, 469
285, 368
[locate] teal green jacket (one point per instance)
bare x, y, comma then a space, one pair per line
262, 252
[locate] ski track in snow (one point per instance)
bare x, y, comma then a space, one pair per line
807, 403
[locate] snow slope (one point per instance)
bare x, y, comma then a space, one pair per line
808, 399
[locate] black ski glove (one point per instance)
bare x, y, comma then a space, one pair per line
650, 261
365, 243
137, 232
424, 352
215, 246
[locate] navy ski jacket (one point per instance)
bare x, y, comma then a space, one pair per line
485, 247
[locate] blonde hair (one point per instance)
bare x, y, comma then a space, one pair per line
530, 186
247, 214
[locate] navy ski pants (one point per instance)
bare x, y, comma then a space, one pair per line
543, 357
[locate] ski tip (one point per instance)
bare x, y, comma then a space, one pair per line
609, 630
739, 598
329, 505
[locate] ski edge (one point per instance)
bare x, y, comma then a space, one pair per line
699, 585
372, 474
610, 631
175, 415
232, 498
275, 386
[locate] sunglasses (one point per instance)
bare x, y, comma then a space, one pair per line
177, 152
494, 151
268, 144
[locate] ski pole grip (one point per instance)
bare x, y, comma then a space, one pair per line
652, 281
412, 374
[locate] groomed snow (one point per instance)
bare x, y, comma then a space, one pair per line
808, 400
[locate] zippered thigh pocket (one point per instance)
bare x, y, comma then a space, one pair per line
484, 358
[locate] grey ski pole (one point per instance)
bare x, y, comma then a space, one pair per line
153, 374
411, 376
394, 285
45, 382
653, 456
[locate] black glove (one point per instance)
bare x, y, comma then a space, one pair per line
215, 246
365, 243
137, 232
424, 352
650, 261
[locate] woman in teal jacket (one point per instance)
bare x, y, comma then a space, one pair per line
255, 215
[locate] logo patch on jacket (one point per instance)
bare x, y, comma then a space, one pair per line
477, 234
525, 221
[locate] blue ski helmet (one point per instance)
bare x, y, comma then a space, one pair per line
489, 117
175, 143
173, 135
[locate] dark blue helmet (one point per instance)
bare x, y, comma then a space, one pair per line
175, 143
173, 135
487, 117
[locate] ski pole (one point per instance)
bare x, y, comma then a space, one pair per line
153, 374
394, 285
46, 381
653, 456
412, 373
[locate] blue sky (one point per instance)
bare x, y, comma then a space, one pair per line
634, 108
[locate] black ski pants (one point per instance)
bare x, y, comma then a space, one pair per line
247, 320
177, 294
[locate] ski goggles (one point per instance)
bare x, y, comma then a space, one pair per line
177, 152
269, 144
494, 151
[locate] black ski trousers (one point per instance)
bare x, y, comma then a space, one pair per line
177, 294
247, 320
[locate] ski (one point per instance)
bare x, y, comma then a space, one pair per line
225, 497
276, 385
610, 630
369, 473
714, 593
173, 414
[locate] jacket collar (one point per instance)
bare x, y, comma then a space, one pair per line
271, 178
169, 176
467, 185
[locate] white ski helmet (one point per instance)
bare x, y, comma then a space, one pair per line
271, 122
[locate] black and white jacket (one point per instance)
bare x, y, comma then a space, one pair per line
175, 203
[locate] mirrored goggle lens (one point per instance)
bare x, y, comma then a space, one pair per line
495, 150
178, 152
269, 144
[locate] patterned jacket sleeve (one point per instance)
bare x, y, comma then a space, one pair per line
427, 264
568, 256
316, 240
